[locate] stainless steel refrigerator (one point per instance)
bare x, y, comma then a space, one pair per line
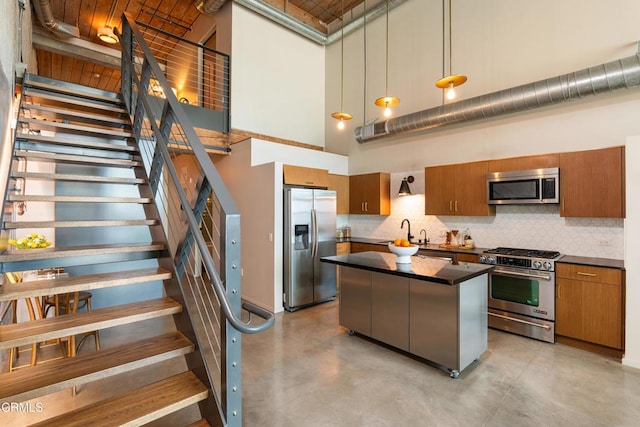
309, 234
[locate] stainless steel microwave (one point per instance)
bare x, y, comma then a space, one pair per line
533, 186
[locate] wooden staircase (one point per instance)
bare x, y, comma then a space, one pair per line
86, 134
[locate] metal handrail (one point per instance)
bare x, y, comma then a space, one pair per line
213, 178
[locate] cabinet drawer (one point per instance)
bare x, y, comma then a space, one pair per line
365, 247
589, 273
466, 257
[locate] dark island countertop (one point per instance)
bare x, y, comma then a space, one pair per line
422, 268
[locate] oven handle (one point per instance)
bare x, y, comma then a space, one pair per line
513, 273
520, 321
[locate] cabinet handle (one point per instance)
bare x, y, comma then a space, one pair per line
456, 206
580, 273
362, 206
563, 204
558, 290
366, 206
450, 205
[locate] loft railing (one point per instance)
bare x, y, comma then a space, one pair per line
199, 217
197, 74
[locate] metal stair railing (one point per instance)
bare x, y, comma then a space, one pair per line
199, 217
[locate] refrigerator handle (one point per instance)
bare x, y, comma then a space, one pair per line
314, 233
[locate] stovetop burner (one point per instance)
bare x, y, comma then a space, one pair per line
533, 253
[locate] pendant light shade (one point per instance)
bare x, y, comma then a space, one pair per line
341, 116
107, 35
452, 80
387, 101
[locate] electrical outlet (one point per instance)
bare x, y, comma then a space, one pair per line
604, 242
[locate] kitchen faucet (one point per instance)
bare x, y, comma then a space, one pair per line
409, 236
425, 235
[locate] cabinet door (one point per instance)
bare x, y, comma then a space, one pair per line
357, 184
433, 322
390, 309
439, 190
307, 177
355, 299
340, 183
471, 190
592, 183
569, 308
543, 161
602, 314
377, 193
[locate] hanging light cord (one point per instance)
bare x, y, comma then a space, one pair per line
364, 98
112, 11
450, 43
342, 58
386, 82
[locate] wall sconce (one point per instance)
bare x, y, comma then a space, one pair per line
404, 186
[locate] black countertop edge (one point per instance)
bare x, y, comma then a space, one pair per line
595, 262
429, 246
421, 268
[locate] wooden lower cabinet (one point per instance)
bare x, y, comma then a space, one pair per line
466, 257
343, 248
590, 304
365, 247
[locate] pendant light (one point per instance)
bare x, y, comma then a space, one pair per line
387, 101
452, 80
341, 116
106, 33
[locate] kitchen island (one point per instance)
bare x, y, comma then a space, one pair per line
431, 307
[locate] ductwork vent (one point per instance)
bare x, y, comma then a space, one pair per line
620, 74
209, 6
45, 16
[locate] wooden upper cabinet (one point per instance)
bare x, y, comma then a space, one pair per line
544, 161
340, 183
305, 177
592, 183
459, 189
370, 194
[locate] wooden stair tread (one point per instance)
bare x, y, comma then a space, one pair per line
76, 113
19, 334
75, 127
75, 177
25, 384
70, 158
70, 89
52, 96
68, 224
73, 251
62, 285
76, 199
75, 142
139, 406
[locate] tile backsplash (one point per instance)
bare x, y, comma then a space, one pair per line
522, 226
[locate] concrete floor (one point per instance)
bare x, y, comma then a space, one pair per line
307, 371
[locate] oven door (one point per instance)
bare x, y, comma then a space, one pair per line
527, 292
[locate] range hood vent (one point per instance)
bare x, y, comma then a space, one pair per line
620, 74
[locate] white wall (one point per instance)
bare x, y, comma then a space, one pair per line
277, 80
499, 44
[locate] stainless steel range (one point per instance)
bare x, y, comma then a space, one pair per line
522, 291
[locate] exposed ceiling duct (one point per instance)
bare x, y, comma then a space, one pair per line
209, 6
620, 74
312, 34
45, 16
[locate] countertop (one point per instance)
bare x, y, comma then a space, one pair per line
429, 246
422, 268
568, 259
